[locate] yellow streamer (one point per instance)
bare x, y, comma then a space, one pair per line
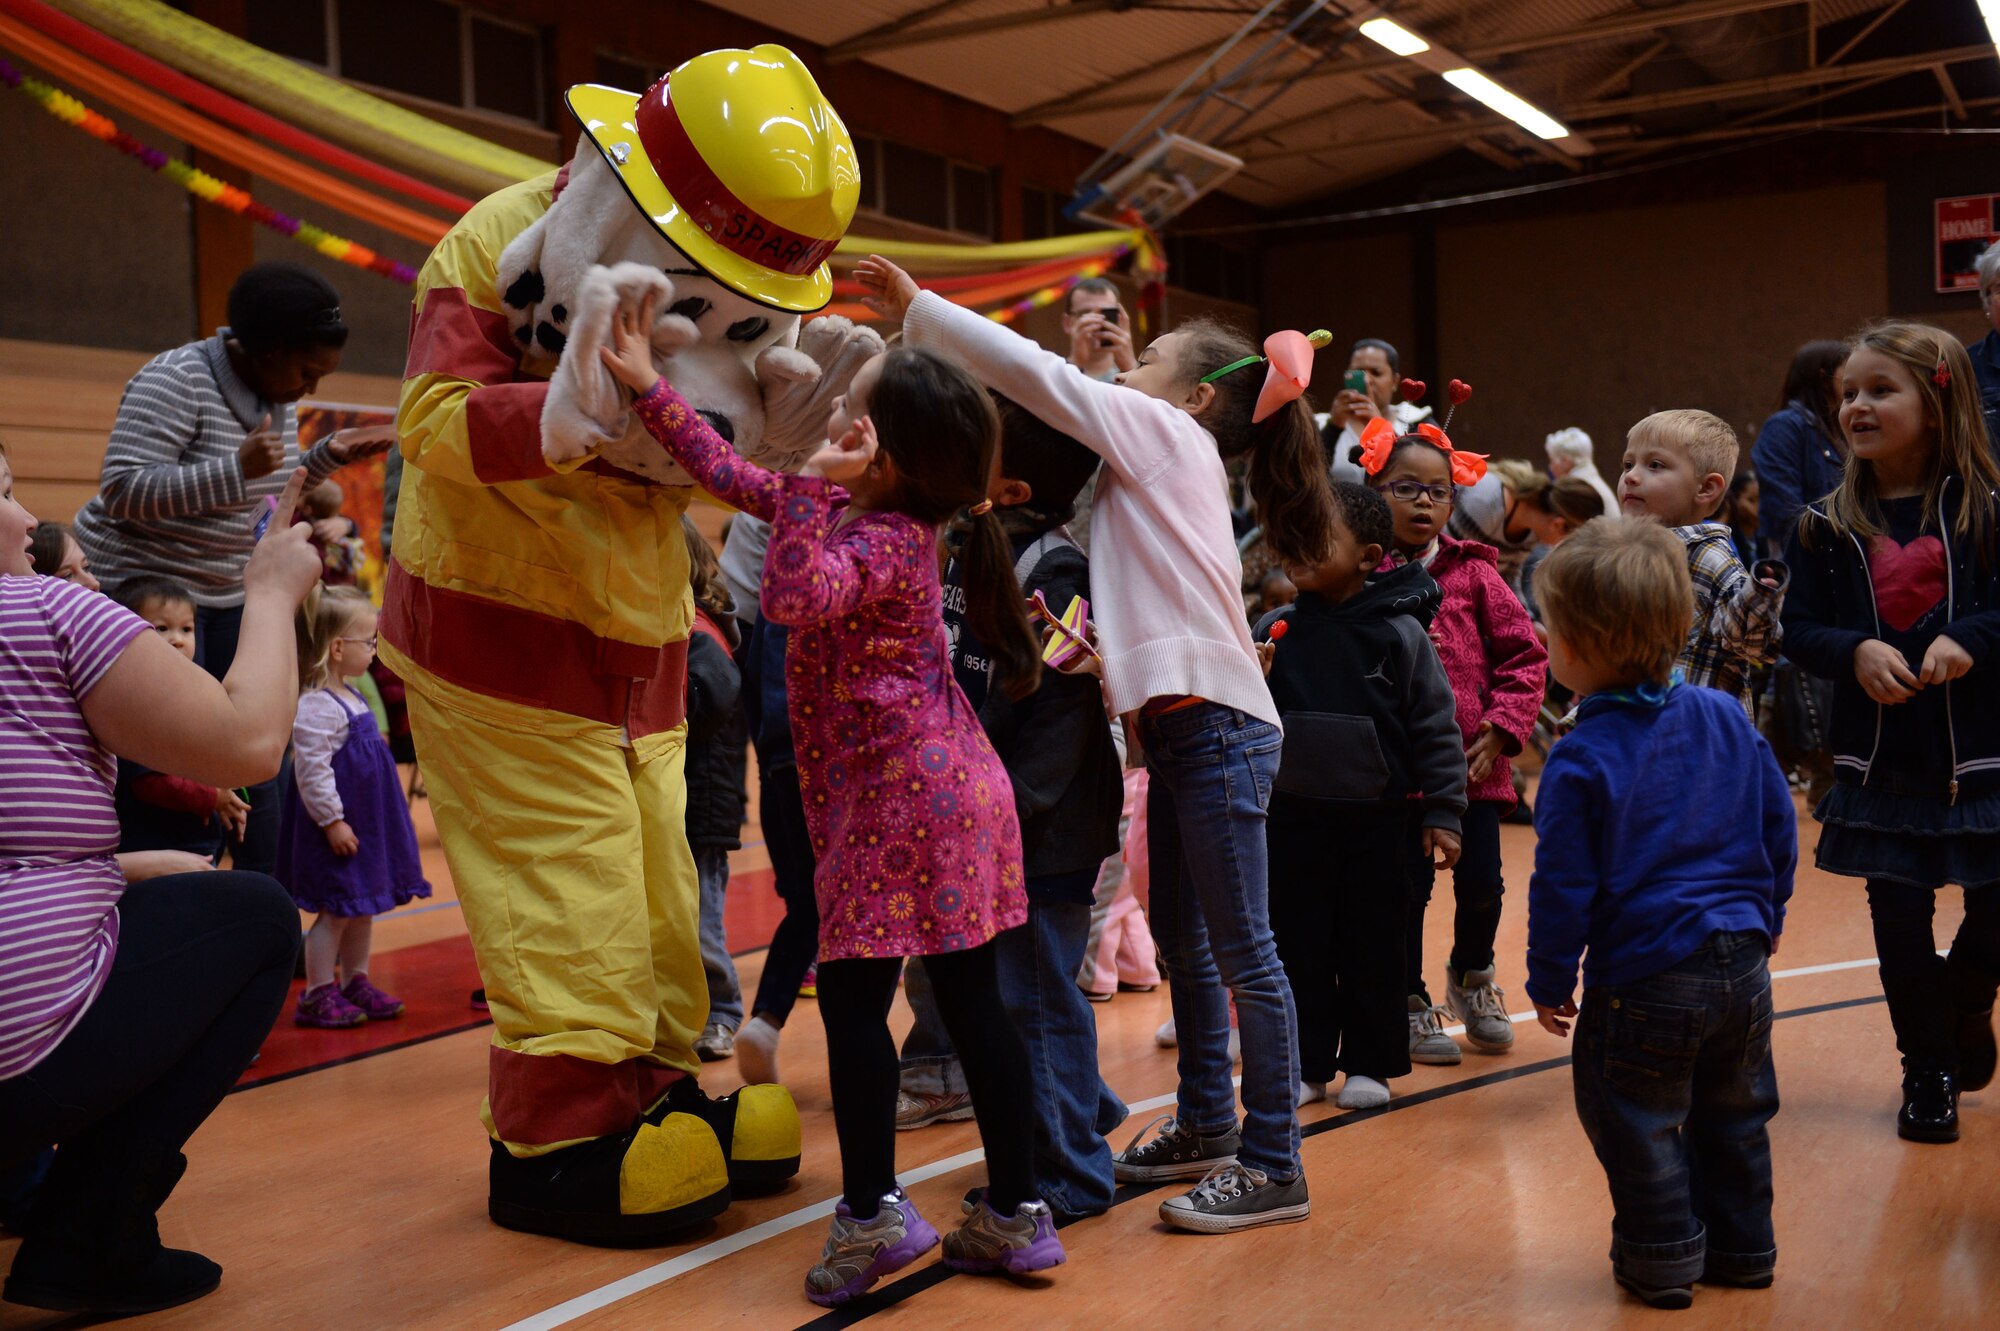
1009, 252
296, 93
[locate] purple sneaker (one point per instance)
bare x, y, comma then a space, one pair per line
860, 1252
325, 1007
372, 1001
1017, 1244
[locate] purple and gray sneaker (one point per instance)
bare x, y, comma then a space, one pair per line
860, 1252
378, 1005
1017, 1244
327, 1009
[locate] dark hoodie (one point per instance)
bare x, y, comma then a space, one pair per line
1369, 716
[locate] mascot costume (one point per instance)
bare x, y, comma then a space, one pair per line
538, 609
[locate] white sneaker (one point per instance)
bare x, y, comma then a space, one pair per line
1311, 1093
1428, 1042
1362, 1093
757, 1051
1166, 1037
1235, 1045
1481, 1004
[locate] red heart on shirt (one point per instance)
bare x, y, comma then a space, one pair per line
1909, 579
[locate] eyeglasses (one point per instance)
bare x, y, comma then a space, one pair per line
370, 640
1407, 491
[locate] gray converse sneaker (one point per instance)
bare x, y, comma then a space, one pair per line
715, 1042
1234, 1196
1428, 1042
1478, 1002
1176, 1153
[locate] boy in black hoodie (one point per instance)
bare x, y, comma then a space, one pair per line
1373, 759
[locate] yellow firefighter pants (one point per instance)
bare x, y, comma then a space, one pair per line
568, 848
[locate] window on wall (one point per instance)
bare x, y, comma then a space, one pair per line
925, 188
1042, 214
441, 52
617, 71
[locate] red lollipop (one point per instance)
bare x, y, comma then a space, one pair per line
1280, 629
1412, 389
1459, 390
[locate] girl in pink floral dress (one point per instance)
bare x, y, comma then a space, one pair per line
911, 813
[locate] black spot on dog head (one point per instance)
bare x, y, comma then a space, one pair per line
748, 330
527, 290
550, 337
524, 334
721, 424
560, 314
690, 309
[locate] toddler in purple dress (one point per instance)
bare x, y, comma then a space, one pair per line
910, 811
346, 851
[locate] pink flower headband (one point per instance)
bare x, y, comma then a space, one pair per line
1289, 355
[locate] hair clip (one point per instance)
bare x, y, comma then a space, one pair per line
981, 509
1289, 355
1942, 375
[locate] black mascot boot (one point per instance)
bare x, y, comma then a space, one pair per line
758, 1127
93, 1242
1971, 996
649, 1184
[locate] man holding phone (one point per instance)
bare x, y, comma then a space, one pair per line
1100, 334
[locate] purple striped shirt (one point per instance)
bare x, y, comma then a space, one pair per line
59, 885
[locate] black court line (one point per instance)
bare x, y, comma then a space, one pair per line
888, 1296
343, 1061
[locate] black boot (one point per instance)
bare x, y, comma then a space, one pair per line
758, 1127
1930, 1108
579, 1192
93, 1244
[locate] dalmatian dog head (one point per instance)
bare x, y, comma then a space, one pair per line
593, 222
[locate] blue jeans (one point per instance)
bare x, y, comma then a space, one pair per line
1038, 964
1212, 770
929, 1065
725, 992
1674, 1085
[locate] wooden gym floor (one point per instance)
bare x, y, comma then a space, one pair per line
344, 1184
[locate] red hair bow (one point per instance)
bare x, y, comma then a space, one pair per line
1378, 441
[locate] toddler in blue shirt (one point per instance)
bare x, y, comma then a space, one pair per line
1666, 840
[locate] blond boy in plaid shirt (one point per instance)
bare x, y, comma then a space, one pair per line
1676, 470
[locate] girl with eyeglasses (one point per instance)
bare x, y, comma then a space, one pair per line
1496, 666
346, 849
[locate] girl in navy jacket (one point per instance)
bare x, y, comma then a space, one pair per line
1895, 597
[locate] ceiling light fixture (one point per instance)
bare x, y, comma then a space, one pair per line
1517, 109
1990, 11
1399, 40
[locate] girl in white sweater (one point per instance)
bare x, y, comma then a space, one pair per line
1176, 650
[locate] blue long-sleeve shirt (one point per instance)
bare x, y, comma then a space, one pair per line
1656, 824
1796, 465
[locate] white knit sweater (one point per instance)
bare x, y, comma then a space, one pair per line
1165, 577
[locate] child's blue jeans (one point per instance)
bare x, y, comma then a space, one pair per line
1674, 1085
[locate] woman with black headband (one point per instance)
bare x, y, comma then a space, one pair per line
205, 433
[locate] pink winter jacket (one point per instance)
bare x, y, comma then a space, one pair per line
1496, 666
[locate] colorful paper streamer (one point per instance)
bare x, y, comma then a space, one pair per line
92, 44
199, 183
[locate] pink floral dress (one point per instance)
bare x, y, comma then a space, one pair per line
911, 813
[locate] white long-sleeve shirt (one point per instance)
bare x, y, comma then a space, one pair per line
1165, 576
318, 731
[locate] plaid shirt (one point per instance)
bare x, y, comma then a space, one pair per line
1735, 616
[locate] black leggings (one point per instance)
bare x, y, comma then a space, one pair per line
782, 814
854, 998
1923, 988
203, 963
1477, 886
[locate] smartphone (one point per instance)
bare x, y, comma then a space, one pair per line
1356, 382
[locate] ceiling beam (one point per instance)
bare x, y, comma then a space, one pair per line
1448, 134
1888, 12
901, 35
1617, 155
1950, 90
1775, 83
1605, 29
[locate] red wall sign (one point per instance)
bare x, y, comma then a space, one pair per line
1965, 226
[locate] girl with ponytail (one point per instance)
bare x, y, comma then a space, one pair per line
1176, 651
911, 813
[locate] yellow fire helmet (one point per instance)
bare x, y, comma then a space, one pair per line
741, 162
